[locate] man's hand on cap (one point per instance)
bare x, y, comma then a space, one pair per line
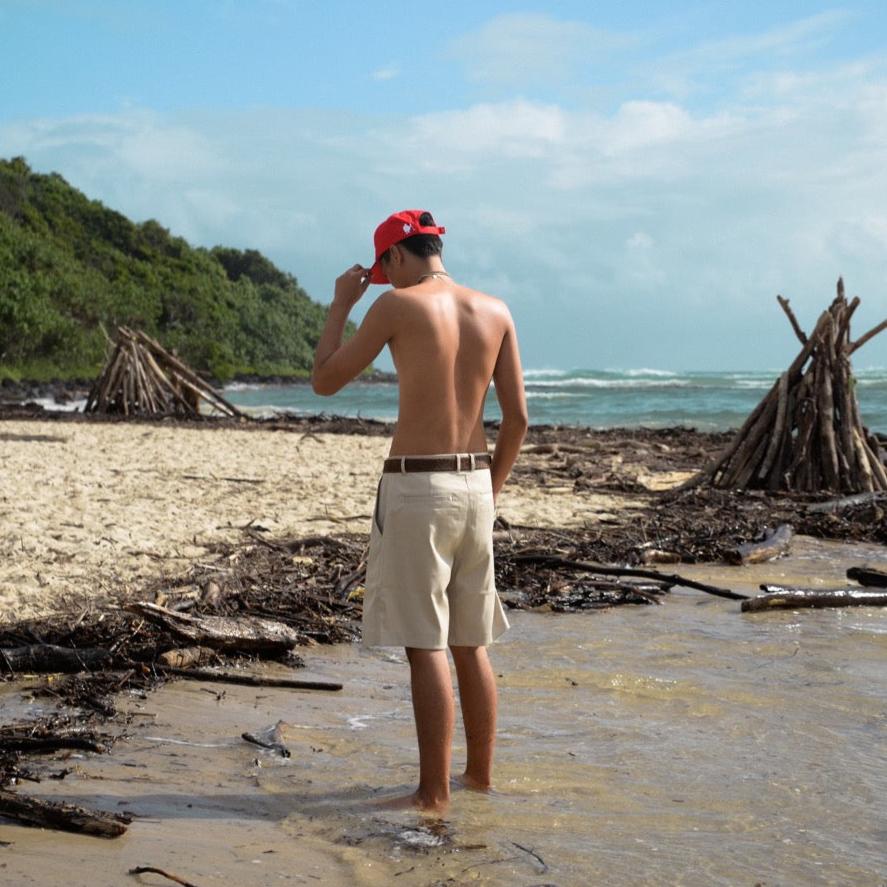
351, 285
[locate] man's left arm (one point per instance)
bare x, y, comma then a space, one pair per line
335, 363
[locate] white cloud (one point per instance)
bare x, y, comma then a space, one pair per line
454, 140
799, 35
521, 48
711, 65
640, 240
387, 73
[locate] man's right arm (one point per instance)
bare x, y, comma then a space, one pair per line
508, 377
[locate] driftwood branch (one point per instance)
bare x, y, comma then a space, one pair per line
248, 680
854, 346
834, 505
802, 336
604, 570
153, 870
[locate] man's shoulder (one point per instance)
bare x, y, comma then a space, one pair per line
491, 303
410, 297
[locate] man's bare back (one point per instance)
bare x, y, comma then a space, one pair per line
447, 342
444, 347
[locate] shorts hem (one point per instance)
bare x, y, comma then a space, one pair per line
418, 644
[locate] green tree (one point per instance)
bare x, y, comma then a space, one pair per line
70, 267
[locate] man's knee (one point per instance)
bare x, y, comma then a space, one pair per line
422, 655
468, 654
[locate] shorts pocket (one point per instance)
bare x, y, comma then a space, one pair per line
485, 508
376, 510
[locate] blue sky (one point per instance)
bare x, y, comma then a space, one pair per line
637, 180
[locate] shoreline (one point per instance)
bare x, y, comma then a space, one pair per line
334, 423
66, 390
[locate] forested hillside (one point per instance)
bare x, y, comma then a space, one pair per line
70, 266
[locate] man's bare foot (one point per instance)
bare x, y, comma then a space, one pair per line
415, 801
469, 782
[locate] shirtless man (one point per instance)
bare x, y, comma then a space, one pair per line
430, 581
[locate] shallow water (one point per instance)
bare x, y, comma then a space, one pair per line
681, 744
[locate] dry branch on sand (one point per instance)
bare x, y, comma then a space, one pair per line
806, 435
142, 378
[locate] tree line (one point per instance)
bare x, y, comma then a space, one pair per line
71, 269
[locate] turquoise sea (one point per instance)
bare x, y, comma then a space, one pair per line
596, 398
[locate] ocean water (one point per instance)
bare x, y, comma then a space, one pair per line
709, 401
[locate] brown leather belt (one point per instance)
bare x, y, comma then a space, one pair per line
454, 462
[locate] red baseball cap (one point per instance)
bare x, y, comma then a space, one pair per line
397, 227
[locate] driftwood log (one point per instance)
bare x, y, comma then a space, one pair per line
48, 658
66, 817
241, 634
12, 741
834, 505
777, 597
775, 543
807, 434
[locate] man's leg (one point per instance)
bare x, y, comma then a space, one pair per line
477, 692
433, 706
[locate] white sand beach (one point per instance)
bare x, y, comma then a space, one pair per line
87, 508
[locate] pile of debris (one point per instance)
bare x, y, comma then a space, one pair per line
142, 378
807, 434
260, 600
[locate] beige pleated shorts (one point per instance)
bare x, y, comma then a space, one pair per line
429, 578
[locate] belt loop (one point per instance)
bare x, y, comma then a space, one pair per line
403, 464
472, 461
458, 461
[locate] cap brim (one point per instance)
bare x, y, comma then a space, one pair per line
377, 275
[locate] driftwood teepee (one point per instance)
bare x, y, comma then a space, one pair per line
141, 377
806, 434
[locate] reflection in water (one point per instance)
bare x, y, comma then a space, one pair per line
683, 744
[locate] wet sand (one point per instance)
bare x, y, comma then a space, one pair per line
683, 744
87, 509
